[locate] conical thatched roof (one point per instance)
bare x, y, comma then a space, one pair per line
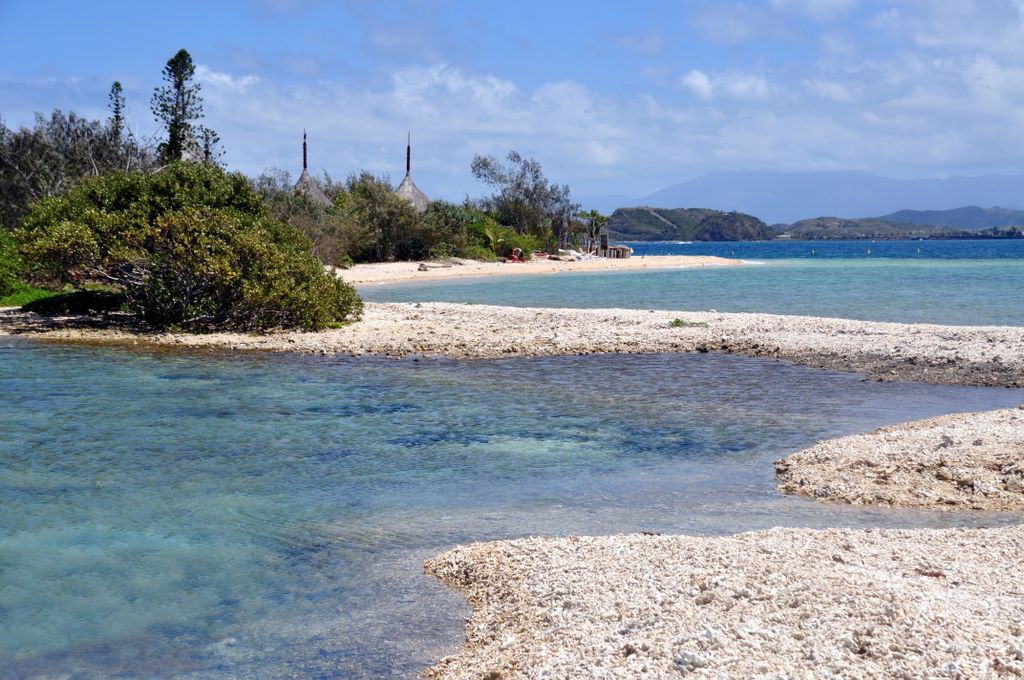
410, 192
408, 189
307, 187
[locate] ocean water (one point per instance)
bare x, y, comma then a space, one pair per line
947, 282
212, 516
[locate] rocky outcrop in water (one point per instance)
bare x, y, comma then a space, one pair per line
963, 461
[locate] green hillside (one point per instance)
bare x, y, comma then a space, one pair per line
686, 224
839, 228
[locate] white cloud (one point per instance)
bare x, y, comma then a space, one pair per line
699, 84
732, 84
994, 27
225, 81
927, 88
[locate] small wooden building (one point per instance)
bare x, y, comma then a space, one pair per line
614, 252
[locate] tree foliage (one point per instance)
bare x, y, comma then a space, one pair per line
368, 222
210, 150
10, 264
593, 223
524, 199
116, 124
54, 155
191, 246
177, 105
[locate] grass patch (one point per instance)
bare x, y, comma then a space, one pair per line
680, 323
24, 294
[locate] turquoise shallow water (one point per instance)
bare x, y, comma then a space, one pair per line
207, 516
949, 282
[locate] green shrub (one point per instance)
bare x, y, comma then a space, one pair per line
10, 264
191, 247
511, 239
480, 253
681, 323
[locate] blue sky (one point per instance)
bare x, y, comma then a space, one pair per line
612, 98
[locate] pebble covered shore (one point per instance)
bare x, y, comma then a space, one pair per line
957, 462
782, 603
977, 355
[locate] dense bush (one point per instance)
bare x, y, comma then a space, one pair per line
333, 237
369, 222
10, 264
58, 152
191, 246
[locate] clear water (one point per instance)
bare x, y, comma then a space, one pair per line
948, 282
982, 249
210, 516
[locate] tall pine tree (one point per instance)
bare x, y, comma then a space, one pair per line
117, 107
177, 104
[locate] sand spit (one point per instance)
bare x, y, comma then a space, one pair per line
392, 272
782, 603
961, 461
979, 355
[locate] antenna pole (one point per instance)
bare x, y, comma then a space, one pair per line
408, 154
304, 158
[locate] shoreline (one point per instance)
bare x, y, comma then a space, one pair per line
772, 603
965, 355
963, 461
783, 601
458, 268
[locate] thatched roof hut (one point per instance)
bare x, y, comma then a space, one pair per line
307, 186
408, 189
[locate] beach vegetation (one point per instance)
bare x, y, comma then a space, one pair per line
59, 151
333, 239
593, 224
10, 264
481, 253
525, 200
190, 247
682, 323
368, 222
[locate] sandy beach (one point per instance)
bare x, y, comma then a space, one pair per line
394, 272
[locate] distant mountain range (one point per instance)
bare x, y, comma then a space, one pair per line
698, 224
969, 217
784, 197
